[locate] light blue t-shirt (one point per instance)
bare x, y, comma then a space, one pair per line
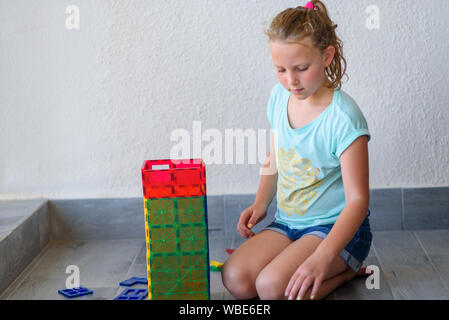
310, 187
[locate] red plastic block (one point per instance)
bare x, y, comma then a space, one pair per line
173, 178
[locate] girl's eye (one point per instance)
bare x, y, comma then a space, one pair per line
281, 71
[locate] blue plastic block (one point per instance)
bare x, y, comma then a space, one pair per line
75, 292
132, 294
132, 281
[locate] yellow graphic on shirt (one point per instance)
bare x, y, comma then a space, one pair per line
297, 184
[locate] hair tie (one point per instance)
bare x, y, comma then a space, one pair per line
309, 5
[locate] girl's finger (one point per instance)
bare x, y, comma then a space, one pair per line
316, 287
243, 218
296, 286
252, 221
247, 233
241, 231
305, 286
243, 221
290, 284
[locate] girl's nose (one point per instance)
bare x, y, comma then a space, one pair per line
292, 80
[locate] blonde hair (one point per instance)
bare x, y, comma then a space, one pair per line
295, 24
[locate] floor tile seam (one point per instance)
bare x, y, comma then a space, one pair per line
383, 272
231, 244
223, 291
14, 286
430, 261
224, 215
402, 210
130, 267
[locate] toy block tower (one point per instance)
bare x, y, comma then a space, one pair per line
176, 229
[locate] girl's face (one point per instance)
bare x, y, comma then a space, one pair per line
300, 65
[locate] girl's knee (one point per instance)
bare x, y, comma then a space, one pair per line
270, 285
237, 280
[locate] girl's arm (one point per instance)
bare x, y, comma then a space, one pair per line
268, 182
355, 174
265, 194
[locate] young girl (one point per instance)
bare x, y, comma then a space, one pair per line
321, 232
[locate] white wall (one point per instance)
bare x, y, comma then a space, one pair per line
81, 109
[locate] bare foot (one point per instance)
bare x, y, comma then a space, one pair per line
349, 274
363, 272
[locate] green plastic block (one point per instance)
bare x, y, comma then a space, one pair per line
177, 248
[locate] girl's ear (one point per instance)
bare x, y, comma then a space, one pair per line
328, 55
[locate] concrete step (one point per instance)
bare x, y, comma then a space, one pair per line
24, 232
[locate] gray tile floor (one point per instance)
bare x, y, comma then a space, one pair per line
412, 265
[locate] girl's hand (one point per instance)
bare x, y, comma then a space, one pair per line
311, 273
249, 218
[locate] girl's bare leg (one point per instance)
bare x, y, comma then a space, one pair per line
242, 267
273, 279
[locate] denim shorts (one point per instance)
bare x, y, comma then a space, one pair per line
353, 254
